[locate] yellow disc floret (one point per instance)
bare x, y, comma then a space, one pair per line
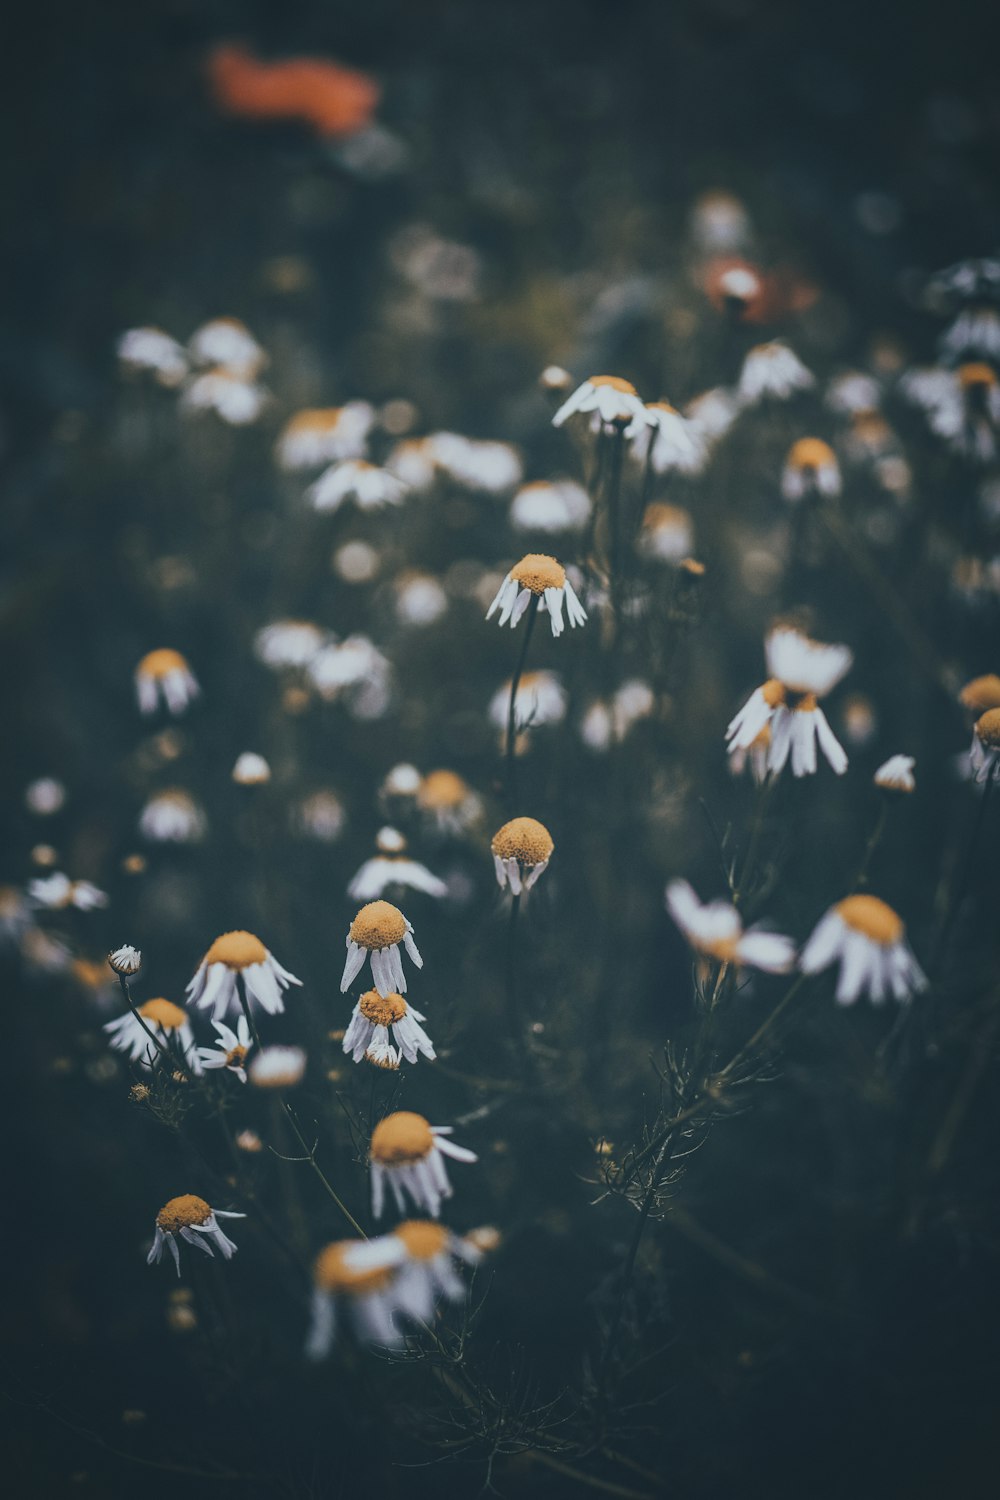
872, 918
382, 1010
981, 693
159, 663
976, 373
811, 453
615, 382
237, 950
332, 1273
378, 925
163, 1013
423, 1238
400, 1138
988, 728
538, 572
442, 789
523, 839
182, 1212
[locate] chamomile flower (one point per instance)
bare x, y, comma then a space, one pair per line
278, 1067
975, 334
853, 394
802, 671
868, 939
232, 397
355, 672
541, 578
447, 802
896, 774
173, 817
491, 467
355, 479
125, 961
150, 349
772, 371
376, 933
668, 440
228, 343
420, 599
251, 769
325, 435
608, 721
320, 816
45, 796
231, 956
57, 892
984, 757
161, 1016
407, 1153
715, 930
288, 643
753, 755
962, 406
981, 693
550, 506
735, 287
193, 1220
540, 699
427, 1272
613, 402
521, 849
355, 1276
231, 1049
392, 868
810, 468
377, 1018
164, 674
667, 533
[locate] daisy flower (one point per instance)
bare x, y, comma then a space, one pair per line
427, 1271
324, 435
541, 578
896, 774
420, 599
251, 769
608, 721
521, 849
753, 755
150, 349
735, 287
228, 343
172, 817
357, 672
278, 1067
288, 643
715, 930
231, 1049
391, 867
447, 801
868, 940
853, 394
801, 671
376, 1017
772, 370
612, 401
550, 506
191, 1219
127, 1035
981, 694
406, 1152
358, 1276
667, 533
541, 699
233, 398
376, 932
320, 816
811, 467
668, 440
355, 479
214, 985
164, 674
57, 892
125, 961
984, 757
974, 334
476, 464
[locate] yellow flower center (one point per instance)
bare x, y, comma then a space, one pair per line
981, 693
159, 663
400, 1138
332, 1273
163, 1013
806, 704
773, 692
313, 419
237, 950
442, 789
988, 728
423, 1238
659, 516
236, 1057
872, 918
538, 572
382, 1010
181, 1213
976, 374
811, 453
615, 383
523, 839
378, 925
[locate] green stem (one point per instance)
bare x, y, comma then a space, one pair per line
515, 683
157, 1043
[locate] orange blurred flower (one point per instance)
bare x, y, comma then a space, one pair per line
333, 100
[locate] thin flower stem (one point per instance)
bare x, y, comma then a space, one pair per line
614, 508
157, 1043
515, 1014
764, 794
763, 1028
515, 683
962, 886
875, 838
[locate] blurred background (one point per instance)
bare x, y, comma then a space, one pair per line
490, 192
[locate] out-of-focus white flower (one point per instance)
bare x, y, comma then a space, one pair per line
191, 1219
613, 401
357, 670
355, 479
772, 370
712, 414
541, 578
45, 796
476, 463
608, 722
377, 1017
420, 599
521, 849
984, 757
413, 462
853, 393
715, 930
173, 817
407, 1154
321, 816
668, 440
719, 222
141, 349
232, 955
288, 643
868, 940
976, 279
232, 397
801, 671
127, 1035
278, 1068
402, 781
231, 1049
550, 506
962, 406
896, 774
448, 802
376, 933
228, 344
251, 769
57, 892
811, 467
667, 533
356, 562
165, 674
379, 874
975, 334
357, 1276
541, 699
15, 915
753, 755
555, 380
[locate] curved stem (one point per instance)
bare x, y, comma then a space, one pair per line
157, 1043
515, 683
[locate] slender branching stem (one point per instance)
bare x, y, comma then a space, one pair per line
874, 839
160, 1045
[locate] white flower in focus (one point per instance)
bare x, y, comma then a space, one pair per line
868, 940
231, 1049
715, 930
278, 1068
325, 435
540, 699
288, 643
126, 1034
251, 770
772, 370
150, 349
191, 1219
165, 674
521, 849
173, 817
376, 933
613, 401
667, 533
233, 399
232, 955
57, 892
550, 506
378, 1018
228, 343
802, 671
125, 961
811, 467
668, 440
538, 577
896, 774
355, 479
984, 757
407, 1153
